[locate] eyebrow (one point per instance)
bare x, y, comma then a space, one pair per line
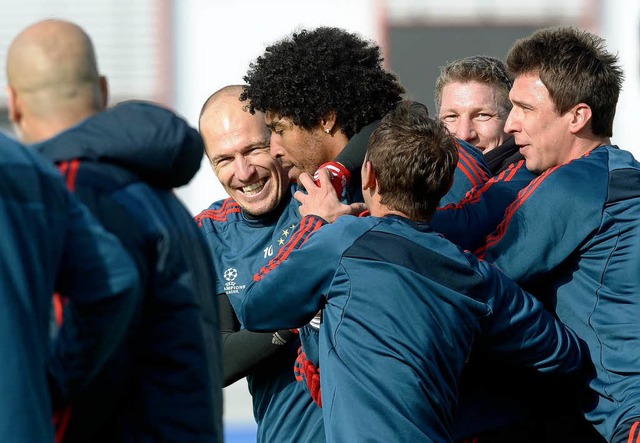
520, 104
275, 123
255, 145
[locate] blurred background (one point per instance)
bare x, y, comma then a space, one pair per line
178, 52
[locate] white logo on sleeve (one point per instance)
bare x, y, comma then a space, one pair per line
230, 287
230, 274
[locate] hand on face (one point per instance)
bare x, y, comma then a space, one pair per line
322, 200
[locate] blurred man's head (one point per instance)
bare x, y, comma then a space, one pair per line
318, 88
53, 79
413, 158
472, 99
237, 145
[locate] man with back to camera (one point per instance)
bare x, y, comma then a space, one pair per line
52, 243
244, 232
401, 305
164, 383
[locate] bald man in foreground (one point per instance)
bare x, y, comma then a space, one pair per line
244, 232
164, 382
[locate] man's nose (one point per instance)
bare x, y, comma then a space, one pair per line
465, 129
276, 149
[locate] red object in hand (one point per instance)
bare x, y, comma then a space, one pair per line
340, 176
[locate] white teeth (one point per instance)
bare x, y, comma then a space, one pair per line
254, 188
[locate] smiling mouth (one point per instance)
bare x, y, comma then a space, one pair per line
254, 188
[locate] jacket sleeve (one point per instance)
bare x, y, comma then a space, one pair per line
468, 222
102, 286
244, 351
520, 328
548, 222
291, 288
471, 171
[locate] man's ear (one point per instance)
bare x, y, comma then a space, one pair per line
368, 176
328, 123
15, 113
580, 117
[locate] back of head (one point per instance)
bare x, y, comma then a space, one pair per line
52, 69
414, 158
314, 73
478, 68
575, 68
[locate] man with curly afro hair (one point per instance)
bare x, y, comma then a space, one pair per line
323, 92
318, 89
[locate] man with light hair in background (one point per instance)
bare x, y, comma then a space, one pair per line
472, 99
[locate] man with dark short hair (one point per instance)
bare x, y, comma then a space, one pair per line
571, 236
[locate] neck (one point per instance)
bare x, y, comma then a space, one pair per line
336, 144
39, 129
378, 210
587, 144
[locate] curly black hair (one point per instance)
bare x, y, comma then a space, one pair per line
314, 73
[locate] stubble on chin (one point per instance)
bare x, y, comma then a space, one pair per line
294, 173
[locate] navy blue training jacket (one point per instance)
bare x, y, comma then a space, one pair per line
165, 383
572, 238
241, 245
52, 243
402, 309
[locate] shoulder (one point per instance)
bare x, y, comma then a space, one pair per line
471, 163
219, 213
580, 177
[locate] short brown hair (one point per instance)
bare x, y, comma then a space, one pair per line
414, 158
575, 68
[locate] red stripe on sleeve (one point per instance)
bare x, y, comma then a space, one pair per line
308, 225
475, 193
62, 167
472, 164
69, 170
468, 174
61, 420
72, 174
511, 210
229, 206
632, 433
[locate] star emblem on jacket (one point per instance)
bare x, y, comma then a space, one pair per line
285, 234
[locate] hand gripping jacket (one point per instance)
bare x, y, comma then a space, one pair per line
402, 308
